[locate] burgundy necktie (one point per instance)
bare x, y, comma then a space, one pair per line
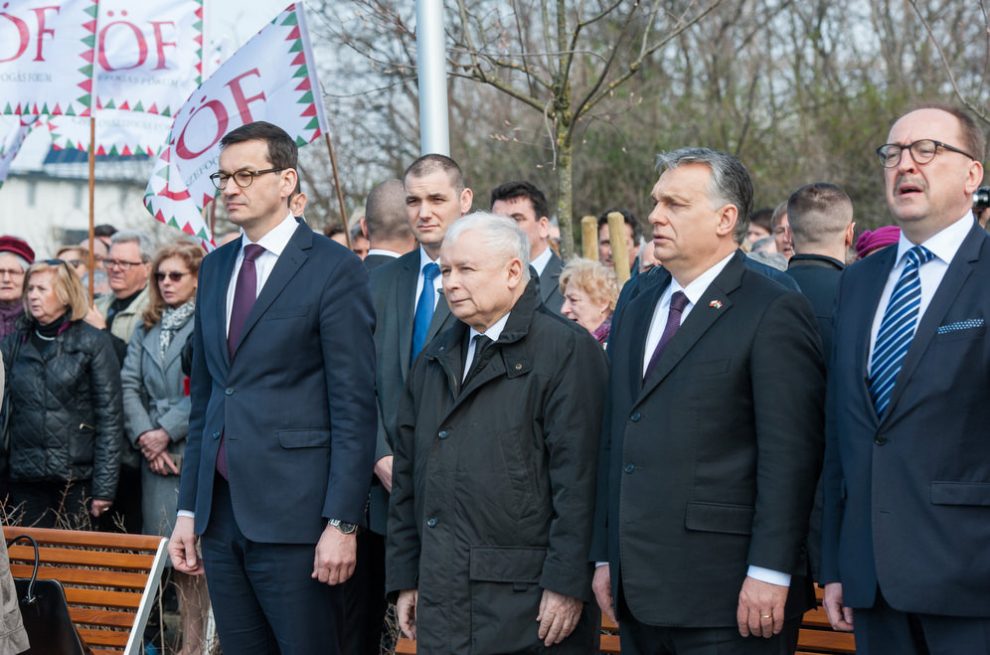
245, 293
677, 304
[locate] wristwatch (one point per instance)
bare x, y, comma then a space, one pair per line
343, 526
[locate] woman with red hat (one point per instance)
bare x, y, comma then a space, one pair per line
15, 257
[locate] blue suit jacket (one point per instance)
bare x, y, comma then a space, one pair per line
296, 403
907, 498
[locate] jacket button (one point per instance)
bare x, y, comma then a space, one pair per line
443, 434
216, 434
518, 366
880, 440
229, 391
629, 468
635, 417
432, 523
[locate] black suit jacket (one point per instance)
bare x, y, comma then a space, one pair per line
393, 290
374, 260
709, 467
296, 402
550, 284
818, 276
907, 498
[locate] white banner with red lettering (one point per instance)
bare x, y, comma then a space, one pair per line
149, 54
272, 78
117, 132
13, 131
46, 56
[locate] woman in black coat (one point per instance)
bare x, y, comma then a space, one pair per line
65, 414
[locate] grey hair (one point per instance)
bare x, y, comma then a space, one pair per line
500, 234
138, 237
23, 263
730, 181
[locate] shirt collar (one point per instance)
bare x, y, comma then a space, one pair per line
495, 331
542, 260
424, 259
696, 289
943, 244
382, 251
277, 238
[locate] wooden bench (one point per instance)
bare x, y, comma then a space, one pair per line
110, 581
816, 636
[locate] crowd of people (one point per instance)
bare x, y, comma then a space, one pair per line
506, 444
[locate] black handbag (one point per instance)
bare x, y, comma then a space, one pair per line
45, 613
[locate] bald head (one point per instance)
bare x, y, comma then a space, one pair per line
385, 217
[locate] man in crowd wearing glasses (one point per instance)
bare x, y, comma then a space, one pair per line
283, 422
907, 464
127, 265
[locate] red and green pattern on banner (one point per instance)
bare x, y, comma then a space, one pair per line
86, 99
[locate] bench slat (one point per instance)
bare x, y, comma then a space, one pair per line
106, 559
90, 616
103, 637
85, 538
826, 640
107, 651
93, 577
102, 598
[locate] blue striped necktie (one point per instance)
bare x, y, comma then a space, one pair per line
897, 328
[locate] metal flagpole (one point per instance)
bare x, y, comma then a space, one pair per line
431, 66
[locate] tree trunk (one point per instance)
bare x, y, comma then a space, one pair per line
565, 197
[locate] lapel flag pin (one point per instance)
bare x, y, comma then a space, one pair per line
715, 304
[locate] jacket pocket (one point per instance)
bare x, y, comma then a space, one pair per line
291, 311
719, 517
494, 564
303, 438
960, 493
505, 598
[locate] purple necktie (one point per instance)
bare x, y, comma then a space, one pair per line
245, 293
677, 304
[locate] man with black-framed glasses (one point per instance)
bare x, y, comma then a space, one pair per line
283, 420
907, 461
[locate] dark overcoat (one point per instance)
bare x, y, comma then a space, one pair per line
494, 482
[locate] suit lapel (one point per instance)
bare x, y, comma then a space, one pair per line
712, 306
288, 263
549, 281
868, 290
948, 290
405, 304
440, 315
228, 257
639, 316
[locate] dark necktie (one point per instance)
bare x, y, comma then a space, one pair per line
481, 345
424, 310
245, 293
897, 327
677, 304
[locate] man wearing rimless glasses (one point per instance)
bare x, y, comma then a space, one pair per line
907, 459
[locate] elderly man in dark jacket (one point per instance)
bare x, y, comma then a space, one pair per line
494, 470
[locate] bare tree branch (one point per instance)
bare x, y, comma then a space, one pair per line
985, 117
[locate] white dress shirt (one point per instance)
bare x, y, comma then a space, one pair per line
541, 261
694, 291
274, 243
493, 333
386, 253
944, 246
424, 259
